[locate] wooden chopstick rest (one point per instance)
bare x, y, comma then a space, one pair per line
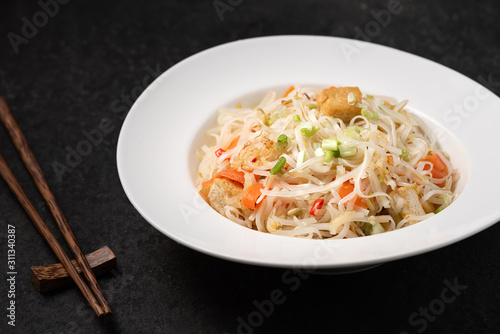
53, 276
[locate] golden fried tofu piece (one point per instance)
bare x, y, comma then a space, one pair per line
412, 206
335, 102
256, 152
221, 191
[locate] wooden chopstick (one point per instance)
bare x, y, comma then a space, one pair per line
15, 187
36, 172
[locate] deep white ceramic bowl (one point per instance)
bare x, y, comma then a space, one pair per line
158, 166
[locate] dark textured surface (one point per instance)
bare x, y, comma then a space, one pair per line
90, 58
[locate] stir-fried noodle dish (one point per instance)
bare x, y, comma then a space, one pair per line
324, 163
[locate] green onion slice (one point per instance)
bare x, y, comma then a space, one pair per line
405, 155
369, 114
309, 132
377, 228
330, 144
351, 99
347, 151
353, 128
319, 152
279, 165
283, 138
328, 156
351, 134
447, 201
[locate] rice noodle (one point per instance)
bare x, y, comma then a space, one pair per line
307, 198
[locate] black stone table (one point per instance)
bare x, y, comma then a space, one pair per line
70, 70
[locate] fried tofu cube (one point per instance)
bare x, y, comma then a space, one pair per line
221, 192
257, 153
411, 206
335, 102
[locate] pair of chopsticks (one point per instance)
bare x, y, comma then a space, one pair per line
93, 294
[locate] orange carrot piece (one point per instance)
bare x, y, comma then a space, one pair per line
231, 174
250, 196
233, 143
439, 170
288, 91
346, 188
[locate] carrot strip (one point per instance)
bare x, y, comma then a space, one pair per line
346, 188
250, 196
289, 90
439, 169
233, 143
231, 174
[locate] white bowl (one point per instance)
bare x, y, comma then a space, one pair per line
158, 166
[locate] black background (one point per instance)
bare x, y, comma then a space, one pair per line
64, 79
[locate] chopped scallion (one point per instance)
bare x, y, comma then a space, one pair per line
283, 138
330, 144
405, 155
447, 201
296, 118
279, 165
369, 114
309, 132
305, 125
328, 156
351, 99
366, 113
319, 152
354, 128
377, 228
347, 151
351, 134
282, 141
312, 105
